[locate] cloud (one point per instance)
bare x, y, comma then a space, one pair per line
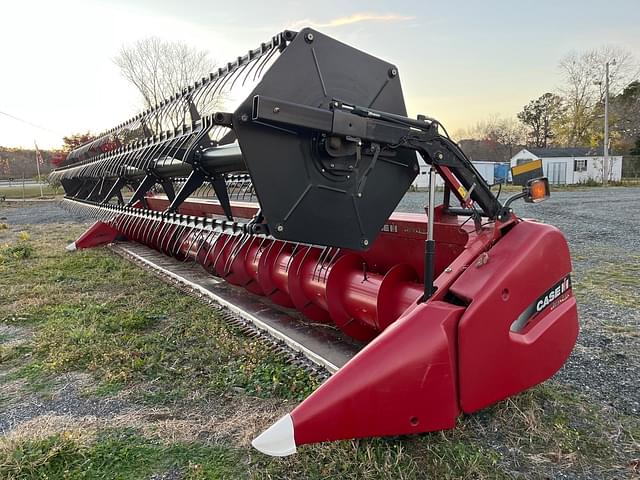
355, 18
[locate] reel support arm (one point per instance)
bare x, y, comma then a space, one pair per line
355, 123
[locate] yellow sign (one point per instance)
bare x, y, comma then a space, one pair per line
526, 167
520, 174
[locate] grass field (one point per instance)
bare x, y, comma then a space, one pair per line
138, 379
30, 191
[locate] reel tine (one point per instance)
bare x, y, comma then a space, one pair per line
131, 225
148, 228
226, 268
253, 64
248, 249
138, 226
121, 221
180, 240
224, 247
213, 243
237, 247
331, 262
168, 233
177, 240
174, 236
293, 254
200, 246
325, 261
264, 63
260, 247
165, 234
155, 232
143, 230
319, 262
306, 253
193, 238
128, 224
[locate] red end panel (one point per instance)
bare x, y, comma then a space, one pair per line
402, 382
494, 361
97, 234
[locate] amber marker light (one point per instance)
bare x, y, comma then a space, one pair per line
537, 190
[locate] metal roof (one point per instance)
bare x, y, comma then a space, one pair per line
567, 152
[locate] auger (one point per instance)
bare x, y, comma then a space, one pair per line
290, 197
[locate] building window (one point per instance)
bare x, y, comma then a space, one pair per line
520, 161
580, 165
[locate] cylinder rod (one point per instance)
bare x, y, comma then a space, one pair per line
430, 244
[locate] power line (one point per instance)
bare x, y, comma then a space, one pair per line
29, 123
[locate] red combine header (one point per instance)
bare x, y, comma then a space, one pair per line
416, 317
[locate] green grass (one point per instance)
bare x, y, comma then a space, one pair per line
614, 282
95, 312
120, 454
19, 251
92, 311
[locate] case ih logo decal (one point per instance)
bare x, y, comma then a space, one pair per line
554, 296
550, 299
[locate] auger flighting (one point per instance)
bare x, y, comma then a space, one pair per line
291, 198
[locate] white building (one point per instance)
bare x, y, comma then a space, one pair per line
571, 165
486, 169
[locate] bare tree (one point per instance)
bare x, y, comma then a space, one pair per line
495, 138
159, 69
584, 87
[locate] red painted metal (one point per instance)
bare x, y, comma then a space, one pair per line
402, 382
424, 363
362, 293
496, 362
98, 234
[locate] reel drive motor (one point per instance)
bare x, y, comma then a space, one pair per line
454, 315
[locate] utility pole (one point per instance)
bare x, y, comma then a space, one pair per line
605, 166
38, 162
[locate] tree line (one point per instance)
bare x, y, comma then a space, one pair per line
572, 116
156, 68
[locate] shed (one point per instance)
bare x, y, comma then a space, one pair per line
571, 165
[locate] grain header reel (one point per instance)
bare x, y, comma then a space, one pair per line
291, 196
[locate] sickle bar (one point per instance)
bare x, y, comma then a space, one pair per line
289, 197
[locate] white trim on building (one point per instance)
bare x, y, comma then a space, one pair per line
486, 169
568, 168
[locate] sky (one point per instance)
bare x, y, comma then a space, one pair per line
459, 61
